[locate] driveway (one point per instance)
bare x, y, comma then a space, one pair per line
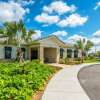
89, 78
65, 85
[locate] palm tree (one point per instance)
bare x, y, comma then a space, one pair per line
88, 46
22, 36
8, 30
16, 33
84, 46
80, 46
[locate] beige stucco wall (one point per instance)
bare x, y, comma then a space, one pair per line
50, 54
13, 53
1, 52
48, 43
79, 53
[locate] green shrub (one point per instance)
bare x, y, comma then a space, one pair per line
62, 61
90, 57
16, 85
72, 61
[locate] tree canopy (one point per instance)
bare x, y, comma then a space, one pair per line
16, 32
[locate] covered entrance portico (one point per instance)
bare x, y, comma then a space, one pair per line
47, 50
44, 54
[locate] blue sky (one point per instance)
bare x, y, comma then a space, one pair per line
68, 19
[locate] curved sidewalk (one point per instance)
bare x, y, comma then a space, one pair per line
65, 85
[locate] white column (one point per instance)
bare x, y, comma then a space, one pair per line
29, 52
13, 53
58, 55
65, 53
41, 54
2, 52
72, 53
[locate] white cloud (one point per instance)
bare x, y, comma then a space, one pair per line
96, 41
75, 37
73, 20
45, 25
60, 33
11, 11
47, 19
94, 49
97, 6
23, 2
37, 35
97, 34
59, 7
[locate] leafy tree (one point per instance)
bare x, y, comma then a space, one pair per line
16, 33
98, 53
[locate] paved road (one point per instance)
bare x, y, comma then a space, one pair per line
89, 78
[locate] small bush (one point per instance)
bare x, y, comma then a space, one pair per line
62, 61
72, 61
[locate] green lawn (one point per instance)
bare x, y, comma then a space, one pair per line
16, 84
91, 60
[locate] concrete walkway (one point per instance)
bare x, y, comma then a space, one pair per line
65, 85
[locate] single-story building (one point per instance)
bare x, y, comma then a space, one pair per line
48, 50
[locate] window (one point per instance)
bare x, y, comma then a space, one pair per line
23, 50
69, 53
75, 53
8, 51
61, 52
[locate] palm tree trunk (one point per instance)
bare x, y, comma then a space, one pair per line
82, 57
20, 53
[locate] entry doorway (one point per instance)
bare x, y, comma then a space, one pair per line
50, 55
34, 53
